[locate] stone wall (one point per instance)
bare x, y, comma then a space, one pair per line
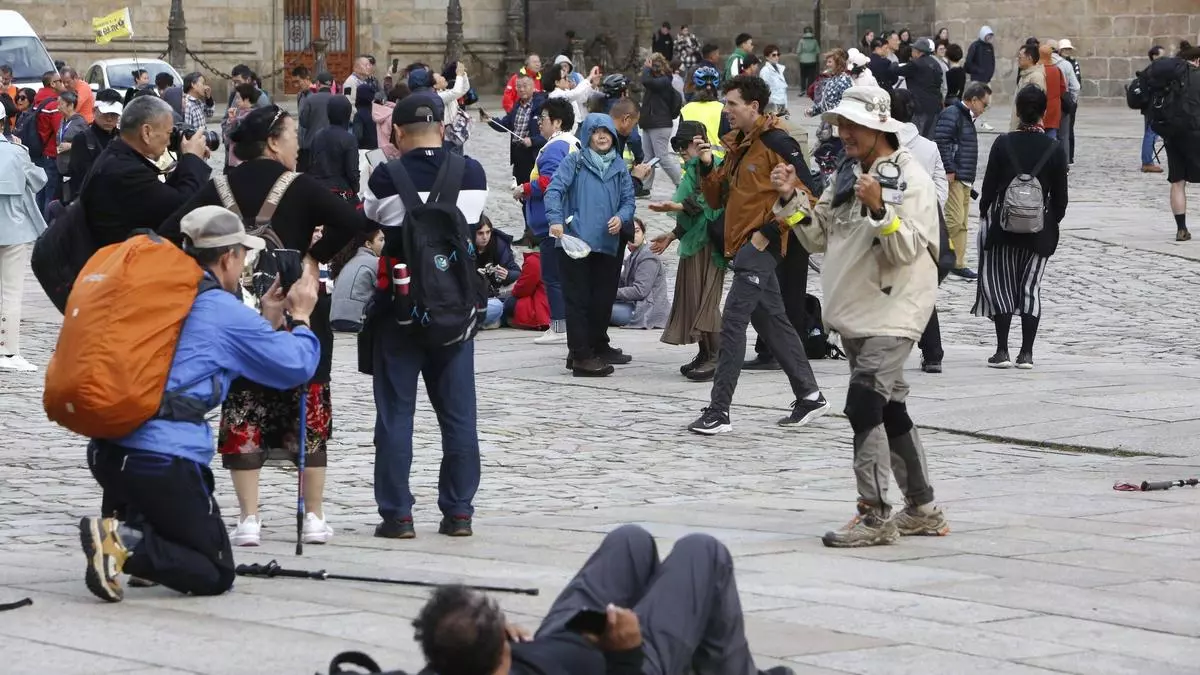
225, 33
1111, 37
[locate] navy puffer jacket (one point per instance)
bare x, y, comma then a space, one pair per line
956, 139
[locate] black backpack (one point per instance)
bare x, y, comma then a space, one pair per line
815, 338
446, 297
26, 129
1160, 89
61, 251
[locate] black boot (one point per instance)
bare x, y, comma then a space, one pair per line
700, 357
591, 367
705, 371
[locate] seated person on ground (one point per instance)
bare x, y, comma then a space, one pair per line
354, 271
529, 307
642, 289
496, 263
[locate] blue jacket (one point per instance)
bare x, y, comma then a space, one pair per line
579, 192
956, 139
224, 339
551, 155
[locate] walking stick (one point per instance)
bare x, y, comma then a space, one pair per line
1148, 486
303, 450
272, 569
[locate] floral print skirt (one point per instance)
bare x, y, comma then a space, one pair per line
260, 424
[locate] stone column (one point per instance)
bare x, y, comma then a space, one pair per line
177, 36
454, 31
643, 27
577, 57
319, 47
514, 56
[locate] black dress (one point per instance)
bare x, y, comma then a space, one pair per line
259, 423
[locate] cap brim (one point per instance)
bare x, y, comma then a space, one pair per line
109, 108
861, 118
254, 243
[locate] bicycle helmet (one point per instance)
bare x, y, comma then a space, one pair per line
706, 76
614, 85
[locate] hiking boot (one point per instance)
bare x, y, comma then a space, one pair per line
551, 338
965, 273
613, 356
106, 555
247, 533
704, 372
688, 367
316, 530
592, 367
455, 526
914, 522
865, 529
930, 366
1025, 361
999, 360
761, 362
1180, 235
1151, 168
711, 423
805, 411
396, 528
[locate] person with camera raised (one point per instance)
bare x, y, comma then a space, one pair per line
878, 227
123, 191
258, 421
160, 521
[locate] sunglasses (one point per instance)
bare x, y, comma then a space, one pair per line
22, 98
773, 54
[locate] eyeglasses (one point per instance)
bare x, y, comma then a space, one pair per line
772, 55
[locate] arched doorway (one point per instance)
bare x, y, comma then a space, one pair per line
308, 20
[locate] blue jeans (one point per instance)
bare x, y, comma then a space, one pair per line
1148, 140
449, 374
550, 277
53, 180
622, 314
495, 310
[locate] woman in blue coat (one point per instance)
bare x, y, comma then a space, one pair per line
591, 197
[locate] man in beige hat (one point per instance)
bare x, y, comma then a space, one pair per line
878, 227
1071, 102
1067, 51
160, 520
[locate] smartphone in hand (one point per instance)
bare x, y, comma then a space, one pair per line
591, 621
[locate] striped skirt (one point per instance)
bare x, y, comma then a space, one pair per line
1010, 282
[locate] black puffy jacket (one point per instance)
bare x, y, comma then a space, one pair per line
658, 103
955, 136
923, 78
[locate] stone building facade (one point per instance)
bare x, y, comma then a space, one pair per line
271, 36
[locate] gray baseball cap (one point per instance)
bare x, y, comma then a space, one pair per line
217, 227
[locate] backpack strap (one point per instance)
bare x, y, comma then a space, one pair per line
405, 189
449, 180
357, 659
1045, 158
274, 196
221, 182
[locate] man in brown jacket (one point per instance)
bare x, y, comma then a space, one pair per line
755, 242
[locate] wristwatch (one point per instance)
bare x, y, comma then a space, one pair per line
298, 322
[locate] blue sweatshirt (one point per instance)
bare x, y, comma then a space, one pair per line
224, 338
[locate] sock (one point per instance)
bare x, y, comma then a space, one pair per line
131, 537
558, 325
1003, 321
813, 396
1029, 326
927, 508
1181, 221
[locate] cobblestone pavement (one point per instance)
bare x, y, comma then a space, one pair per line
1047, 570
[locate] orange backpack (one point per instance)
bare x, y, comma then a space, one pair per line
108, 374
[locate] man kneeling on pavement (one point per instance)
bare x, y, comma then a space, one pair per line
162, 523
878, 227
664, 617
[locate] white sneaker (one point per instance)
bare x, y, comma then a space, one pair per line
16, 362
316, 530
986, 127
550, 338
248, 532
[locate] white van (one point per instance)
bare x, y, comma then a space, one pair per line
22, 50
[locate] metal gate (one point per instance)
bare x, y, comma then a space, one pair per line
308, 20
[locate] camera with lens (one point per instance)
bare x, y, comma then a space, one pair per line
178, 134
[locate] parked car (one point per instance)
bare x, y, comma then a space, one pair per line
118, 73
21, 49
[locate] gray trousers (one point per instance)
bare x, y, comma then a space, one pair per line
687, 605
1064, 133
884, 435
657, 143
754, 298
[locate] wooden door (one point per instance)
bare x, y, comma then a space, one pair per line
308, 20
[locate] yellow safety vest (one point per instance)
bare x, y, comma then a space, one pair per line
709, 114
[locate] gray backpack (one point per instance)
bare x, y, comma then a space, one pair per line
1024, 206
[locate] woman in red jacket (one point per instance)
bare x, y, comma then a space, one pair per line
528, 307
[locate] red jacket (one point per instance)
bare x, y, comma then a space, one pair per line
533, 309
48, 121
1056, 87
510, 90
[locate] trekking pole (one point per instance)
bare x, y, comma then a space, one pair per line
303, 450
272, 569
1148, 486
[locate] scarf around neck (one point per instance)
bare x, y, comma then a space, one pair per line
599, 162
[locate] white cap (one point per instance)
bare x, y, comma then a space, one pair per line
108, 107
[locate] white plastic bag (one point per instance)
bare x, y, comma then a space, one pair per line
574, 246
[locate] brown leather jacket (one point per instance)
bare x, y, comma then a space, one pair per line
742, 185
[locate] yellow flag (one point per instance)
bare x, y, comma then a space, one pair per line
115, 25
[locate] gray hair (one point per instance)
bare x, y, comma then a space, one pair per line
143, 110
976, 91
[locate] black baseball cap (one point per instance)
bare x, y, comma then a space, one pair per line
418, 108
